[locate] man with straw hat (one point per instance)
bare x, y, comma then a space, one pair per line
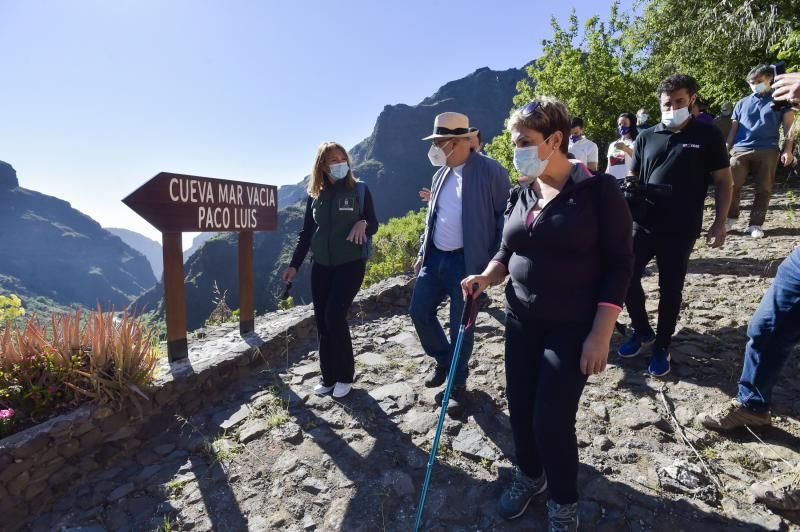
462, 232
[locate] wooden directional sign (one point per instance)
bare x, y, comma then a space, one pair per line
175, 203
178, 203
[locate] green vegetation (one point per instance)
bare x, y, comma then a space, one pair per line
10, 308
222, 449
286, 304
273, 408
603, 68
395, 246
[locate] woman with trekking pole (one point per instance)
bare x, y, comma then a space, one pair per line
339, 221
567, 246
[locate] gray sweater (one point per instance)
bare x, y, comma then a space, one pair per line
484, 193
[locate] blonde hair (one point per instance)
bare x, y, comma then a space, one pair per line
550, 116
319, 172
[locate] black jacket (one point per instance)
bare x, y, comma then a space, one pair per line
578, 252
328, 220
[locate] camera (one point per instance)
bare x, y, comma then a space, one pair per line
640, 195
778, 69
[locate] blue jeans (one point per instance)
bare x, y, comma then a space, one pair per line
441, 277
773, 331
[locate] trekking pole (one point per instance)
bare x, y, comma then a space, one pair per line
467, 321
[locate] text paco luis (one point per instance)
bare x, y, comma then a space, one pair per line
241, 198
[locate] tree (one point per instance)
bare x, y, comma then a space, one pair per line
616, 66
715, 41
594, 72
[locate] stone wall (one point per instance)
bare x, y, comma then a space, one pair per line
43, 462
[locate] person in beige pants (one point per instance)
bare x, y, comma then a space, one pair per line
754, 139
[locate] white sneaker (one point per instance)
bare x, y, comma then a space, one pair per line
729, 223
321, 389
342, 388
755, 231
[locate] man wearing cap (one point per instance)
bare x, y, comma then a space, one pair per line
462, 232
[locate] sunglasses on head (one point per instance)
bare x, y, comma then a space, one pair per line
530, 108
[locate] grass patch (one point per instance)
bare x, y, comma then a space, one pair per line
273, 408
222, 449
175, 488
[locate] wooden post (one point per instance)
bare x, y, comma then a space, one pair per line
246, 303
177, 347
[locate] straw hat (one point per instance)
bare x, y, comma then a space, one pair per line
451, 125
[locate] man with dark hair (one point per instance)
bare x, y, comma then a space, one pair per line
754, 139
687, 155
583, 148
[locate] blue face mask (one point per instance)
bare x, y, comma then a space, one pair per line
574, 138
623, 130
528, 163
339, 170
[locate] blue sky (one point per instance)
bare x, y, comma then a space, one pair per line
98, 96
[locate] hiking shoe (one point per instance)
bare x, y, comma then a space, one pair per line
516, 499
733, 416
659, 362
634, 345
782, 493
341, 389
437, 376
321, 389
457, 402
755, 231
562, 517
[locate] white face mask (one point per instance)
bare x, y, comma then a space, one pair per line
758, 88
641, 119
437, 156
528, 163
675, 117
339, 170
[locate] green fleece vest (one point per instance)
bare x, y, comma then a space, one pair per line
335, 211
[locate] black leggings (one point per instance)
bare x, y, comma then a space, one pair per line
544, 385
672, 258
333, 289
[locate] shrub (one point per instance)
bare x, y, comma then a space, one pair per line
222, 312
10, 308
395, 247
46, 369
286, 304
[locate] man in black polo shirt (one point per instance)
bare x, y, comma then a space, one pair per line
688, 155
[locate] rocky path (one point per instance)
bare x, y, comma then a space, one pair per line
273, 456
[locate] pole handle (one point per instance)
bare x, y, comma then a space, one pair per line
469, 303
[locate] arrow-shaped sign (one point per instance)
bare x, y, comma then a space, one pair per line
177, 202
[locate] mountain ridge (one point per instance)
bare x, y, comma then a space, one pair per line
51, 251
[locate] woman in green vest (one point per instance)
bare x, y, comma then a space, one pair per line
339, 220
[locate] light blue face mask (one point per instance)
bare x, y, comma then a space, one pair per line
339, 170
528, 163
